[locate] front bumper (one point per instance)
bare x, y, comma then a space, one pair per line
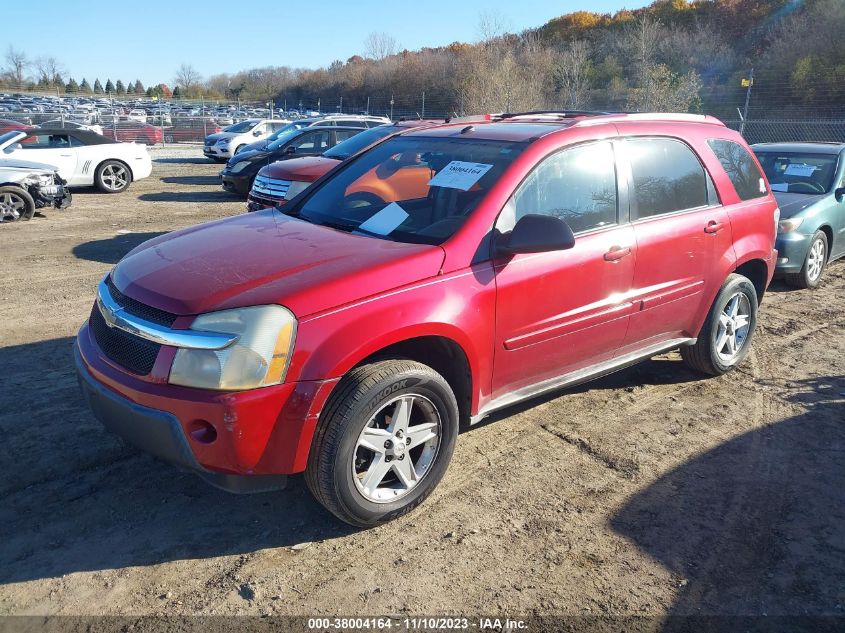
61, 199
236, 184
257, 434
214, 151
792, 251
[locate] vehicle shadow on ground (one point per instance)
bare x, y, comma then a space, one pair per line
191, 196
662, 370
112, 249
756, 525
185, 160
191, 180
75, 498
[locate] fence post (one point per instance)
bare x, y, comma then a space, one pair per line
422, 116
391, 107
747, 99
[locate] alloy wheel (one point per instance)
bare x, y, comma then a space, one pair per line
734, 327
115, 177
815, 260
396, 448
12, 207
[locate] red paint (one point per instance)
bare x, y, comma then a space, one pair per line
519, 319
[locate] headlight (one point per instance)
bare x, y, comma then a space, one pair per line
296, 187
42, 180
789, 225
239, 166
224, 141
258, 358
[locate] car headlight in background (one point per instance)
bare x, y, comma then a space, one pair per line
224, 141
239, 166
296, 187
258, 358
788, 225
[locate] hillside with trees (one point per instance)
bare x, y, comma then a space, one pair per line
676, 55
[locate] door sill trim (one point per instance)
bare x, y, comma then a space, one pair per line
578, 376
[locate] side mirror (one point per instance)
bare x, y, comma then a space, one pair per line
536, 233
257, 133
290, 150
839, 194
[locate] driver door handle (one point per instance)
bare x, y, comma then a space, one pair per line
616, 253
713, 227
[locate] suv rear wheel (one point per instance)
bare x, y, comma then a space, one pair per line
725, 337
384, 441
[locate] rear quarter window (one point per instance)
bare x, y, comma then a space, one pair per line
740, 167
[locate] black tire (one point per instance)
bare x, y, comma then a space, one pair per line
356, 399
107, 180
811, 275
16, 195
704, 356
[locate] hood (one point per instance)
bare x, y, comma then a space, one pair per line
13, 138
791, 204
243, 155
306, 168
216, 137
25, 165
265, 258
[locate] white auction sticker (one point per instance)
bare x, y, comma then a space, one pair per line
385, 221
459, 175
800, 170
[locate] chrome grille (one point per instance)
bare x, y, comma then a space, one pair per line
271, 187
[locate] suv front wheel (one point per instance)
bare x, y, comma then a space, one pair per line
383, 442
725, 337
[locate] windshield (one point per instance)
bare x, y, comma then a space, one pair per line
410, 189
280, 131
283, 138
353, 145
8, 135
798, 172
243, 126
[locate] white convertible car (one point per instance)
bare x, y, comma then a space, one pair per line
81, 157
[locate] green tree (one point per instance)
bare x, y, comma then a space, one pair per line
72, 86
85, 86
139, 87
98, 87
119, 88
177, 94
109, 87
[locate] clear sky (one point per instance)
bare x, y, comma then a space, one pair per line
148, 40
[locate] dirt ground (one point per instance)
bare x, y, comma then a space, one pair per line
653, 491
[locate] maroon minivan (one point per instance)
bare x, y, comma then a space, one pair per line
349, 333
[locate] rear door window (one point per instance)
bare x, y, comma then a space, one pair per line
740, 167
667, 176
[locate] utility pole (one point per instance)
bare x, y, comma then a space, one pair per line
748, 83
422, 116
391, 107
368, 105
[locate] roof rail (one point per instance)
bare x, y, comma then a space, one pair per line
558, 114
668, 117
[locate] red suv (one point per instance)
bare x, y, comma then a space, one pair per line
349, 336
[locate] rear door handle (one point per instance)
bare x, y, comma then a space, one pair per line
713, 227
616, 253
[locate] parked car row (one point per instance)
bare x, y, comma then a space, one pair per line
420, 276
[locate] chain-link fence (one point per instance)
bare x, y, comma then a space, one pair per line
181, 121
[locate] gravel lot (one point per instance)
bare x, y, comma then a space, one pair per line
652, 491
